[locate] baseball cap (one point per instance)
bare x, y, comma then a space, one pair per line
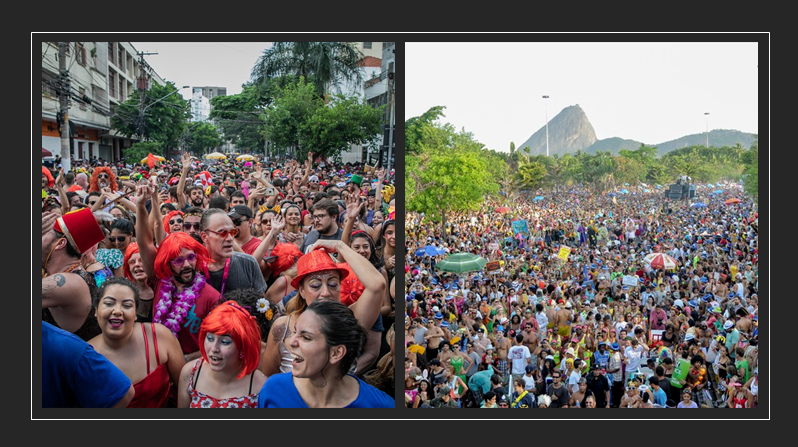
568, 305
502, 399
529, 368
500, 328
570, 351
679, 303
436, 309
240, 211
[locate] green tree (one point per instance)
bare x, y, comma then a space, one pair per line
531, 175
299, 119
415, 127
336, 126
202, 138
239, 117
326, 65
750, 160
139, 151
286, 116
449, 177
158, 114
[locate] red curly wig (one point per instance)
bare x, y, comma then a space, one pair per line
93, 184
170, 249
229, 318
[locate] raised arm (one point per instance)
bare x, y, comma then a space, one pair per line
353, 207
185, 161
144, 236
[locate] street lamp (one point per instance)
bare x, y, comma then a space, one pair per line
547, 124
707, 115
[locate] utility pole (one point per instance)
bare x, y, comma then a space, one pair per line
143, 86
63, 102
390, 116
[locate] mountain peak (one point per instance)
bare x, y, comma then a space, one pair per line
569, 131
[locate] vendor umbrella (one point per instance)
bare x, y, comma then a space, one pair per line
660, 261
216, 156
462, 263
245, 157
538, 198
502, 209
732, 200
699, 205
158, 159
46, 153
429, 250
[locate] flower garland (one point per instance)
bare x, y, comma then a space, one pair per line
170, 315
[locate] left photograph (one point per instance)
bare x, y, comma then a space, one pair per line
218, 225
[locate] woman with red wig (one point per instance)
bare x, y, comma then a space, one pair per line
134, 271
227, 375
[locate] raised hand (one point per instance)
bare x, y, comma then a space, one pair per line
353, 206
185, 160
278, 223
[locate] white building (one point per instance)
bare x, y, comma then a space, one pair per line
99, 76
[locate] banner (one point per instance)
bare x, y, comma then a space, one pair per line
630, 280
520, 226
492, 266
564, 252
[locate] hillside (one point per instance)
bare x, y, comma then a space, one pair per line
571, 131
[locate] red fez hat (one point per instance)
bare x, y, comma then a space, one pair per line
80, 228
316, 261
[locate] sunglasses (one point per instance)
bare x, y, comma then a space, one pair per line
225, 233
314, 181
179, 261
319, 216
238, 222
189, 225
102, 176
175, 221
92, 202
117, 238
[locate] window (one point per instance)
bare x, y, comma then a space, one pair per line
121, 61
111, 53
367, 45
82, 92
112, 84
80, 53
122, 92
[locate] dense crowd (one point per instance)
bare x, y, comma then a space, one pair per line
233, 283
573, 309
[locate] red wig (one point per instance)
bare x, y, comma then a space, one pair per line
169, 217
170, 249
131, 249
232, 320
50, 180
287, 254
93, 184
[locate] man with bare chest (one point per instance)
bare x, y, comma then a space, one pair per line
531, 342
562, 320
433, 337
502, 346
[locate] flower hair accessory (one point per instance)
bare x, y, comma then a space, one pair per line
263, 307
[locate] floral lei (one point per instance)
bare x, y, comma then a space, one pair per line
170, 315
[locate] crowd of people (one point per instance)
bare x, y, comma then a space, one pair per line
195, 283
573, 310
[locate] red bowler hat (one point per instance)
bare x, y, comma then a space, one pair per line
316, 261
80, 228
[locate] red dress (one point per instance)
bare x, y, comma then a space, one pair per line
153, 390
202, 400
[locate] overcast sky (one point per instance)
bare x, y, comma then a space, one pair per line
649, 92
201, 64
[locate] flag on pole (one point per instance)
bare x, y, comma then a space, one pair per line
520, 226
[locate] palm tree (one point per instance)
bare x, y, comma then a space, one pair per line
325, 64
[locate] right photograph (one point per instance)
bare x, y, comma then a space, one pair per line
582, 225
